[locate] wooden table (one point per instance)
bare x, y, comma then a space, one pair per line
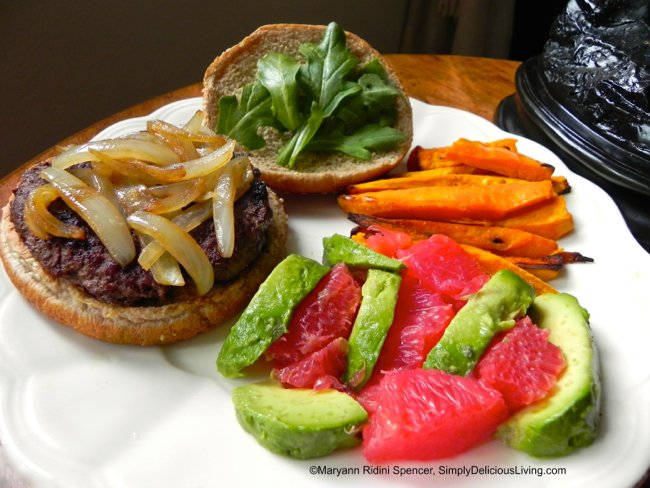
473, 84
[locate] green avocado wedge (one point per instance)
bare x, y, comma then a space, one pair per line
374, 318
299, 423
268, 314
493, 309
340, 249
570, 417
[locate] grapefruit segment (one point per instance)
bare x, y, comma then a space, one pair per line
430, 414
326, 313
444, 267
320, 370
420, 320
387, 242
523, 365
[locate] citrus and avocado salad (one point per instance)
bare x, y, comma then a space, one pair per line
412, 352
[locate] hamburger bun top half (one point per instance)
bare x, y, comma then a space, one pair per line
314, 172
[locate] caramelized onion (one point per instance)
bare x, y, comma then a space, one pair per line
209, 163
223, 202
166, 271
175, 196
41, 222
161, 182
184, 148
195, 124
99, 212
129, 148
179, 244
132, 196
188, 220
162, 127
140, 170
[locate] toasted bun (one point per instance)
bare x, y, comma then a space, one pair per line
314, 173
71, 306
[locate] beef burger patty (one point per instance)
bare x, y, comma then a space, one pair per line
87, 264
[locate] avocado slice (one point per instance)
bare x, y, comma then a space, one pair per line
296, 422
493, 309
569, 418
373, 320
340, 249
268, 314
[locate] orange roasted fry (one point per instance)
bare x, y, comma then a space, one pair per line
509, 143
451, 175
500, 240
421, 158
550, 219
488, 202
491, 263
548, 267
498, 159
561, 184
432, 177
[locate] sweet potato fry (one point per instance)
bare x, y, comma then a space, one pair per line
545, 268
544, 274
499, 160
421, 158
499, 240
548, 267
432, 177
560, 185
489, 202
491, 263
549, 219
455, 169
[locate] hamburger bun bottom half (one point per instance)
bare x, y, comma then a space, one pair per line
182, 319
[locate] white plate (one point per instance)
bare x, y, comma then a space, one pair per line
81, 413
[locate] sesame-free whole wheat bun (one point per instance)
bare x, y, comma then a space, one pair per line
314, 172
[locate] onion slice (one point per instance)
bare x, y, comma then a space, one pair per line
139, 169
103, 217
223, 202
184, 148
179, 244
209, 163
132, 196
129, 148
39, 219
166, 271
175, 196
195, 124
162, 127
188, 220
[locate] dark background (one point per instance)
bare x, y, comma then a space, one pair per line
67, 64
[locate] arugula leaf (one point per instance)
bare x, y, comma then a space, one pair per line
359, 144
277, 72
328, 102
289, 152
240, 120
374, 66
376, 92
328, 64
373, 103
